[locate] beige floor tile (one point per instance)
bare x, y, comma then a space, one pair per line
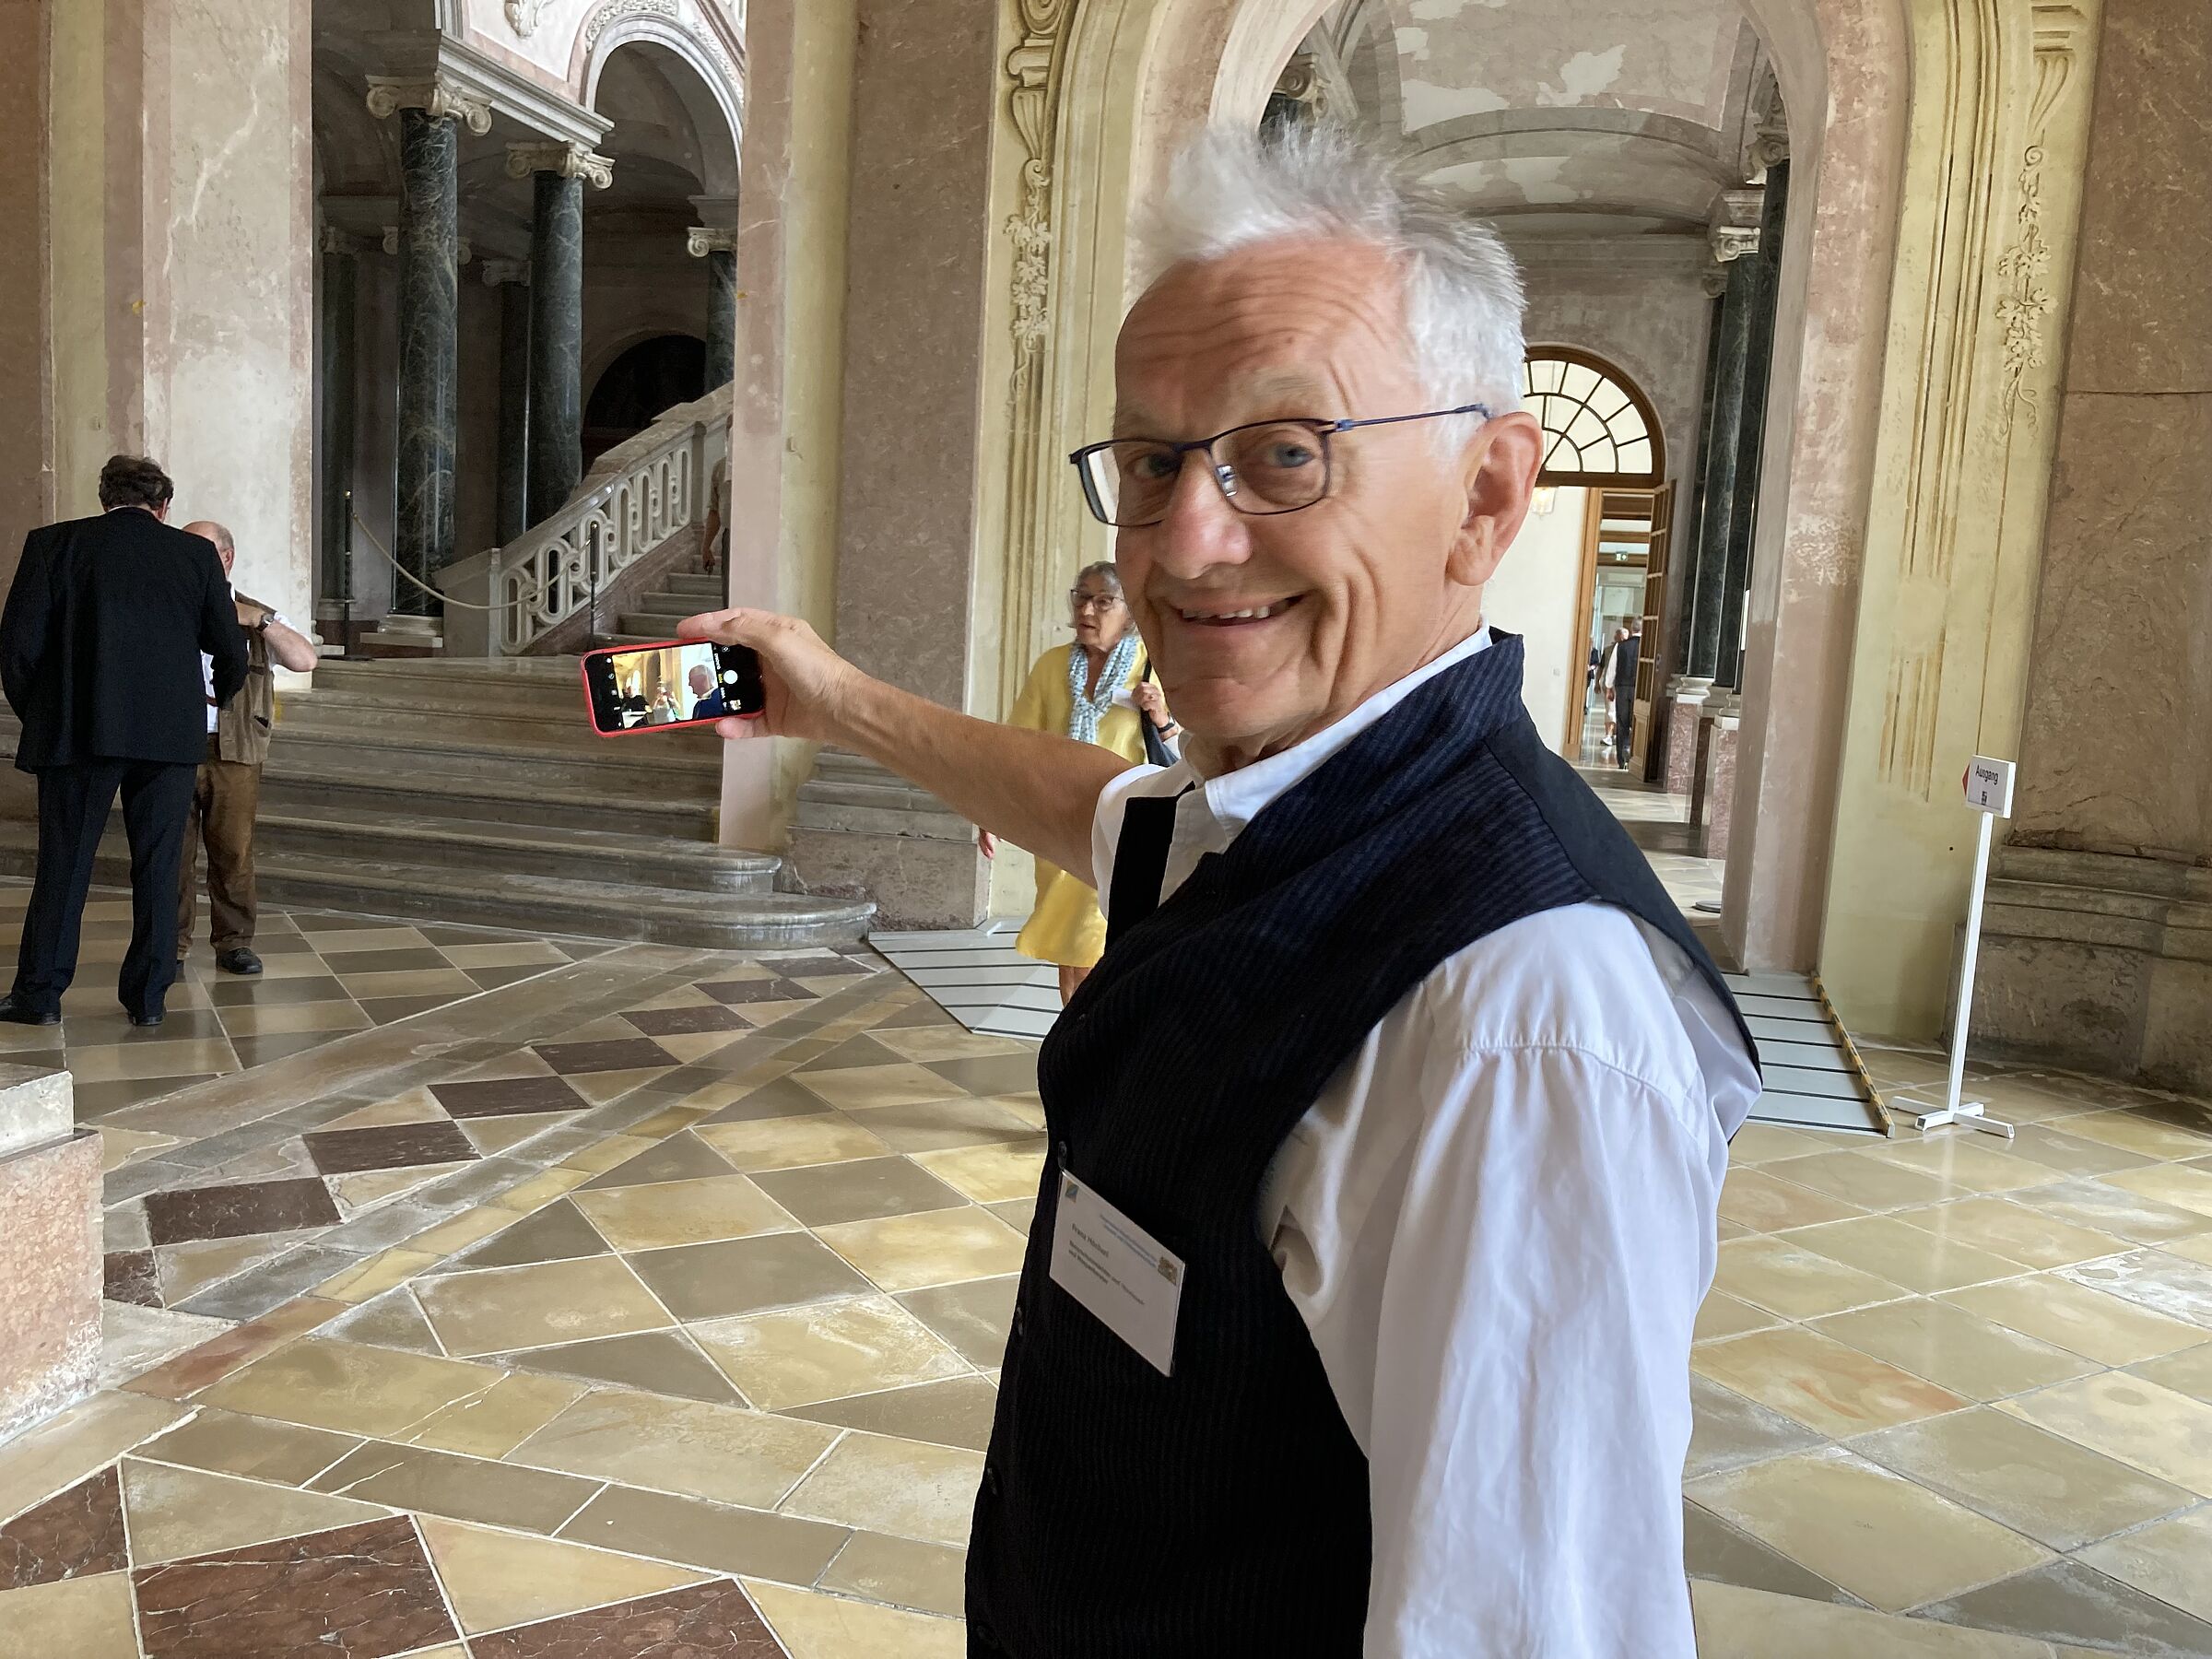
470, 1227
493, 1423
365, 1189
791, 1143
1765, 1143
2014, 1231
721, 1452
176, 1513
377, 1275
2090, 1323
1782, 1277
226, 1443
768, 1013
615, 1149
713, 1536
2171, 1561
939, 1247
921, 1044
2163, 1433
460, 1488
929, 1578
955, 1412
662, 1124
1752, 1624
1903, 1255
871, 1086
1728, 1431
54, 1455
1953, 1348
1860, 1178
996, 1172
2199, 1249
938, 1126
129, 1060
291, 1019
1961, 1161
1819, 1382
2185, 1186
523, 953
2037, 1483
2189, 1372
826, 1351
339, 943
496, 1579
418, 982
668, 1213
348, 1386
120, 1146
2138, 1132
503, 1308
2115, 1209
1892, 1544
541, 1189
1722, 1315
811, 1626
490, 1135
907, 1489
599, 1088
2154, 1279
134, 1339
82, 1617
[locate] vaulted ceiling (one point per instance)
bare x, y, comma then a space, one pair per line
1557, 117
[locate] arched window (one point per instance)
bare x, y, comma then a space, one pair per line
1598, 428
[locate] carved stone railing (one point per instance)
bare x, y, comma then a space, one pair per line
639, 494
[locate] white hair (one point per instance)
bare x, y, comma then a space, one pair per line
1231, 190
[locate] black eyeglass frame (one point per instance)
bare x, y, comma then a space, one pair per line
1224, 477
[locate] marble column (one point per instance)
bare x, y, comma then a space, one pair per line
430, 375
557, 173
510, 277
335, 440
1764, 265
719, 249
1703, 658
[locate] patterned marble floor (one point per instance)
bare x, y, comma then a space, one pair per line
652, 1304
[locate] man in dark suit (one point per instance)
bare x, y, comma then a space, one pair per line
1621, 680
709, 704
100, 656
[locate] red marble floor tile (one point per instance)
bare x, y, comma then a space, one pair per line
74, 1535
706, 1622
129, 1275
753, 991
362, 1591
629, 1053
497, 1097
393, 1147
230, 1212
669, 1022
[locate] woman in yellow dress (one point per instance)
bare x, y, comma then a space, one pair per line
1091, 692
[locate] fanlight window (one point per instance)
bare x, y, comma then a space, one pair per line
1597, 429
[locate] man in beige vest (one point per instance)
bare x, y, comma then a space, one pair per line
227, 796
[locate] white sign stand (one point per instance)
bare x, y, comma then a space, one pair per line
1989, 793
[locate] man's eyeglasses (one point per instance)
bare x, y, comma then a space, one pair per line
1078, 601
1267, 467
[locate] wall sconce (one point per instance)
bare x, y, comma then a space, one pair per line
1544, 499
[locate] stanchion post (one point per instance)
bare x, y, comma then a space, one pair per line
1989, 794
345, 594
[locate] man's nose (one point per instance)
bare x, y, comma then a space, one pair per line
1200, 529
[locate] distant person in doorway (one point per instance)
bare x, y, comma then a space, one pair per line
663, 711
1093, 691
1620, 683
100, 645
709, 704
227, 793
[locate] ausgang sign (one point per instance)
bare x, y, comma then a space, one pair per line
1989, 786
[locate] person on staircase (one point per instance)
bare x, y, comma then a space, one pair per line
1094, 691
226, 797
98, 645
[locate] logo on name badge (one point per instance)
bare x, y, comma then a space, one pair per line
1167, 1269
1068, 1187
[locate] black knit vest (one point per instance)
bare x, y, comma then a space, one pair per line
1223, 1512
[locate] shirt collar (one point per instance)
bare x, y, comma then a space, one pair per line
1235, 798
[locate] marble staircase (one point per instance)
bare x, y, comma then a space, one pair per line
654, 615
476, 792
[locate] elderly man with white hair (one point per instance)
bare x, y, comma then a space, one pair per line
1386, 1139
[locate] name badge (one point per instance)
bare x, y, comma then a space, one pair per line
1118, 1271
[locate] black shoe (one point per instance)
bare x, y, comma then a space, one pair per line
15, 1011
237, 960
146, 1021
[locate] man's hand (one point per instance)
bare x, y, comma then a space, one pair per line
808, 684
1153, 701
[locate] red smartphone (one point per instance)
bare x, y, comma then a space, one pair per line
633, 688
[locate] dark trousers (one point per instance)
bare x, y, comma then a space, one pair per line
73, 810
225, 797
1624, 723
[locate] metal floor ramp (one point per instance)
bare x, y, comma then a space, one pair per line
978, 978
1815, 1079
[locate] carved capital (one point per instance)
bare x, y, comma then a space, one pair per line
704, 240
497, 273
462, 252
570, 161
1713, 282
1733, 241
334, 240
437, 98
1770, 145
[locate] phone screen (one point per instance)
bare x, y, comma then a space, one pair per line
654, 688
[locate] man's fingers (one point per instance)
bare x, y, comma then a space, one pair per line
737, 627
734, 726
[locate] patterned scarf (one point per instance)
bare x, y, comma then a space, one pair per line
1083, 718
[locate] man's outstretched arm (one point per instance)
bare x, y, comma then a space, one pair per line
1036, 790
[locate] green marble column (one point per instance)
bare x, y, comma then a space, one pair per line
428, 352
556, 342
1765, 274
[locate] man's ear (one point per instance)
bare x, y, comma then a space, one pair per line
1501, 465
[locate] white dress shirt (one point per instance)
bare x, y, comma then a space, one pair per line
1497, 1221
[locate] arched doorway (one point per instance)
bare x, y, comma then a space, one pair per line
640, 386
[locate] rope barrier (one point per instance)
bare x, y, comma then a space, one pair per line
439, 593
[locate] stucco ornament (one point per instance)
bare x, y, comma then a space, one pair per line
522, 15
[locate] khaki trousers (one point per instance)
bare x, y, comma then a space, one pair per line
224, 799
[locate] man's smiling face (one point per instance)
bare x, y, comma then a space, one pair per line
1266, 628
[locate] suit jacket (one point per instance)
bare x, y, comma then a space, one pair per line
100, 642
711, 706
